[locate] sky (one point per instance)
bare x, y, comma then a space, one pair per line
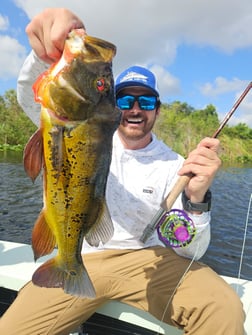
200, 51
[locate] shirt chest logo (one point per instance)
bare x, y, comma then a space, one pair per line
148, 190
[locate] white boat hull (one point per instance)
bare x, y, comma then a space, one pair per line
17, 266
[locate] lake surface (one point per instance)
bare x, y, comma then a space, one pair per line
21, 202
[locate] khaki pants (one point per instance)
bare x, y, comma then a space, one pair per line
203, 304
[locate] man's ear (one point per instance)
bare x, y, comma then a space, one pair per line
157, 111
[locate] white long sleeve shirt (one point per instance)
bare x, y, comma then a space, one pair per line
138, 182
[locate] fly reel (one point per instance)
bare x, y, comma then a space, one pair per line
176, 229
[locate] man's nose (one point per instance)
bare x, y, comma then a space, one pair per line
135, 107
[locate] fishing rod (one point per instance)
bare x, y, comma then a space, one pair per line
177, 229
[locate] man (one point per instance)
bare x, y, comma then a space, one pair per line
142, 172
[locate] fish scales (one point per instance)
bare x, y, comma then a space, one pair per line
73, 146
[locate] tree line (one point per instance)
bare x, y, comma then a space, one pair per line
15, 127
182, 127
179, 125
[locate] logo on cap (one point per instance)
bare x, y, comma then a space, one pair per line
134, 76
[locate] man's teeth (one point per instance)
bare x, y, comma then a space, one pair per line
134, 120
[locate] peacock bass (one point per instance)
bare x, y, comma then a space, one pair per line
73, 147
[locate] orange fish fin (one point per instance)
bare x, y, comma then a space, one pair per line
102, 230
33, 155
74, 281
43, 240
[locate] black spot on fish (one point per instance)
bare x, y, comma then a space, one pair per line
67, 132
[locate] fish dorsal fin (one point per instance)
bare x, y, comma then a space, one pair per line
103, 229
43, 240
33, 155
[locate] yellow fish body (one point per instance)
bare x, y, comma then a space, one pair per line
73, 146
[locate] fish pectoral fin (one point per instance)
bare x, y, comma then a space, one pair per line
43, 240
102, 230
33, 155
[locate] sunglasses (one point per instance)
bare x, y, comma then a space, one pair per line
145, 102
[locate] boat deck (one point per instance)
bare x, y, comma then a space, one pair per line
17, 267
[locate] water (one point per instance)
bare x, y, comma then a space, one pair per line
232, 191
21, 201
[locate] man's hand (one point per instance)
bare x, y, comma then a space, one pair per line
48, 30
203, 163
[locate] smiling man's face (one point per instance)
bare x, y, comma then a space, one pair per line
136, 124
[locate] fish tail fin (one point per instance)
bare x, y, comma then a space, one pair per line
74, 281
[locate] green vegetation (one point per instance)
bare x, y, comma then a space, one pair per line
179, 125
15, 126
182, 127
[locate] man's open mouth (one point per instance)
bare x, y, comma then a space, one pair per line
134, 120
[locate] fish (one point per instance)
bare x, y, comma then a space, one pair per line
73, 147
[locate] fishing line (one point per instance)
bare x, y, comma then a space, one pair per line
178, 232
244, 241
175, 289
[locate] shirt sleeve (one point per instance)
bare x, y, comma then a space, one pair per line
29, 72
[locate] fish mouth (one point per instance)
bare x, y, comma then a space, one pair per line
96, 47
58, 116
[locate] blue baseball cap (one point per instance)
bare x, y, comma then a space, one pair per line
136, 76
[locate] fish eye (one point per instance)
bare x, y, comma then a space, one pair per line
100, 84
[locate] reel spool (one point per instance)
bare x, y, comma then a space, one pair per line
176, 229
